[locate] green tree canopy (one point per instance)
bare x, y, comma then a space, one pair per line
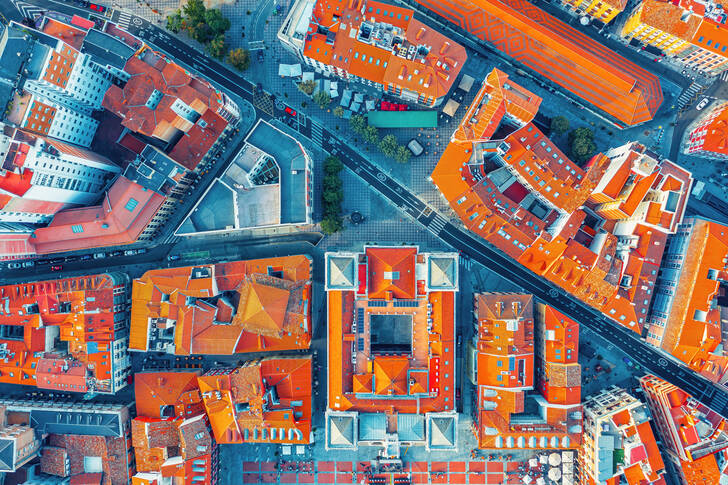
194, 10
389, 145
338, 111
174, 22
332, 165
239, 58
581, 144
322, 98
332, 182
331, 224
307, 87
216, 21
217, 47
358, 124
559, 125
371, 134
403, 154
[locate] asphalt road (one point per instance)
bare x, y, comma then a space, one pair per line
641, 353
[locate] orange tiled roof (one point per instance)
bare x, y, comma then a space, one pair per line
272, 312
258, 402
692, 332
333, 39
146, 105
586, 68
159, 391
507, 374
418, 380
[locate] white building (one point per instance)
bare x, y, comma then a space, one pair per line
40, 176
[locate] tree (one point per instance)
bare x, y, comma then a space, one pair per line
389, 145
175, 22
403, 154
338, 111
559, 125
216, 21
333, 197
239, 58
200, 31
582, 149
371, 135
332, 182
217, 47
194, 10
330, 225
358, 124
322, 98
581, 144
332, 165
307, 87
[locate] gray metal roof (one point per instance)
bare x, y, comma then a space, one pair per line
372, 426
411, 427
95, 423
7, 455
106, 50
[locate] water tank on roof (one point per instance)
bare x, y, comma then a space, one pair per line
584, 20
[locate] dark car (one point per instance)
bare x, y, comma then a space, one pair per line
56, 267
261, 55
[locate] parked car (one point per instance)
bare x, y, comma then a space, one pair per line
14, 265
141, 251
57, 261
129, 252
56, 267
115, 254
99, 255
85, 257
628, 361
415, 147
173, 257
702, 104
96, 7
28, 264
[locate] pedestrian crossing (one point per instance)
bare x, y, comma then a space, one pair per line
688, 94
124, 20
317, 133
27, 10
437, 224
724, 76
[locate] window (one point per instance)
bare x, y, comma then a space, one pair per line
77, 228
131, 204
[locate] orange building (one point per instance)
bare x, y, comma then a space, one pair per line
391, 329
618, 443
519, 362
239, 306
376, 43
622, 92
262, 401
689, 306
691, 433
66, 335
710, 137
597, 230
171, 433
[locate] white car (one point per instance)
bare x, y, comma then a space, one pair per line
702, 104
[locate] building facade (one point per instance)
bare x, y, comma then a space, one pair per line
375, 43
391, 341
694, 33
618, 441
601, 10
710, 137
67, 335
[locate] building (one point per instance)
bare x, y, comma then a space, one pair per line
375, 43
589, 73
60, 72
261, 401
66, 335
123, 217
691, 433
710, 137
68, 443
178, 113
689, 305
597, 10
597, 230
171, 433
40, 176
618, 443
269, 183
525, 367
693, 32
391, 349
240, 306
